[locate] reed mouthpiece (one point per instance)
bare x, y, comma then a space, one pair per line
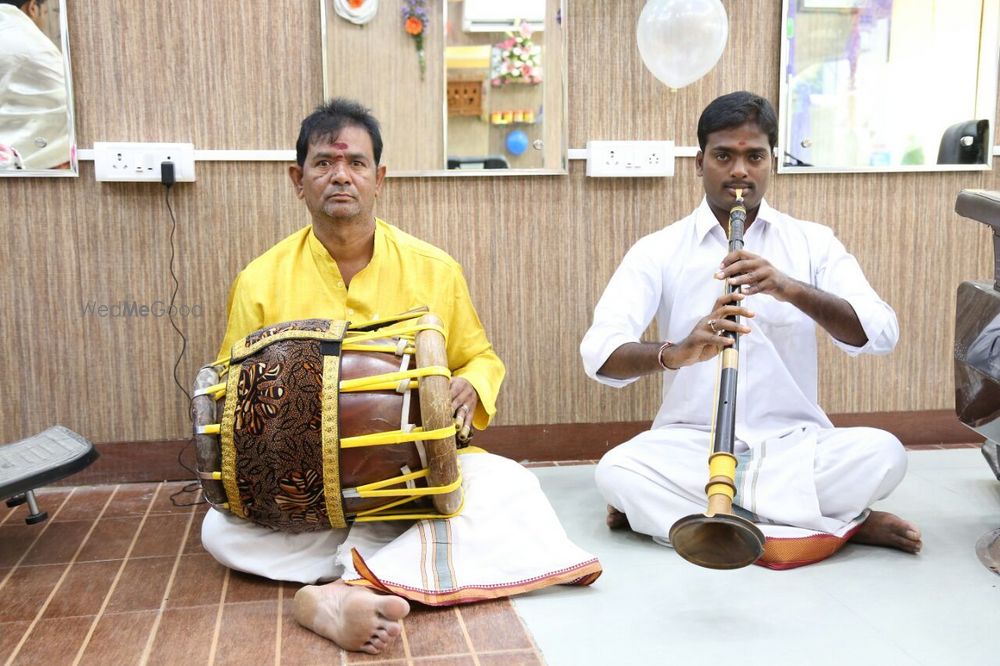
739, 195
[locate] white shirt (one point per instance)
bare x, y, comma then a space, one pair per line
34, 118
669, 274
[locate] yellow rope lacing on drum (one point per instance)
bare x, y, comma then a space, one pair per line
379, 514
401, 332
390, 380
418, 434
216, 391
410, 494
386, 349
375, 488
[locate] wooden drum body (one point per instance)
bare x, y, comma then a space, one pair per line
312, 425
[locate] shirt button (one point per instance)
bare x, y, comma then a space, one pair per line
340, 283
350, 311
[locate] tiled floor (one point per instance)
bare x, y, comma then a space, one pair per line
117, 575
863, 606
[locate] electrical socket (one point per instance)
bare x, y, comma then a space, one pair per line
140, 162
630, 159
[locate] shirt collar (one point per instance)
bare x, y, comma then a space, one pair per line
705, 219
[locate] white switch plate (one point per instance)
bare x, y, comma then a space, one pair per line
630, 159
140, 162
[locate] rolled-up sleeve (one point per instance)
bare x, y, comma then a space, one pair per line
624, 311
840, 274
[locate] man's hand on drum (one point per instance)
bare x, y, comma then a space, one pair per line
706, 339
463, 404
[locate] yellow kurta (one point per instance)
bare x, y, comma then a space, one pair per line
298, 279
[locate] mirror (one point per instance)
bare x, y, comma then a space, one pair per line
36, 93
486, 97
887, 85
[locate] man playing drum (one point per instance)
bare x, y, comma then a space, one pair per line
806, 484
349, 265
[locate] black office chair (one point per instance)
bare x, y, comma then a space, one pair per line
965, 143
479, 162
39, 460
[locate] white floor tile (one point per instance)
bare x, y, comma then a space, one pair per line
863, 606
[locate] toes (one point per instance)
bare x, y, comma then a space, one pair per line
393, 629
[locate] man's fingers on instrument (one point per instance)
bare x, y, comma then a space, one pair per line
463, 422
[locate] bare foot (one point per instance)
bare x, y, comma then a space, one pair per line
888, 529
355, 618
617, 520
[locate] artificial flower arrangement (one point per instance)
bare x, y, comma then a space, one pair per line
414, 23
516, 59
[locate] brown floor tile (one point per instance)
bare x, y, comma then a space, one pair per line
248, 634
131, 499
54, 642
10, 634
110, 539
161, 535
26, 590
193, 544
301, 646
393, 656
246, 587
85, 503
184, 637
59, 543
118, 639
198, 582
173, 499
494, 625
141, 585
434, 631
514, 658
83, 590
6, 512
15, 541
457, 660
49, 500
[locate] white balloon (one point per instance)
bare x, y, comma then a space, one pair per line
681, 40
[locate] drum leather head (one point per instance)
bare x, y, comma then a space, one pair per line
721, 541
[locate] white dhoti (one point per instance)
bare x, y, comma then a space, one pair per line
813, 485
507, 540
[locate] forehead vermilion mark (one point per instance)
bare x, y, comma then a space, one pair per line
340, 146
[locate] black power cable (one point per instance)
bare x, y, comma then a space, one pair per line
168, 178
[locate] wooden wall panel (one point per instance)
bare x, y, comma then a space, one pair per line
537, 251
377, 63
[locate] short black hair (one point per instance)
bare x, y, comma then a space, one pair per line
19, 3
735, 109
331, 117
